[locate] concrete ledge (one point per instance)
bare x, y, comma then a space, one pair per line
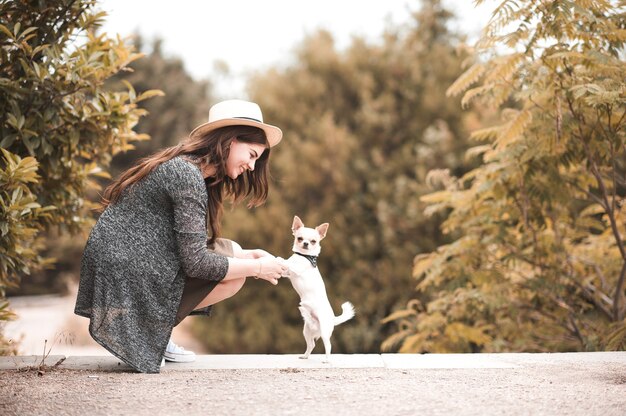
286, 361
95, 363
446, 361
25, 361
316, 361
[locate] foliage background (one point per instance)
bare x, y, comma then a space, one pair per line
502, 200
538, 262
362, 129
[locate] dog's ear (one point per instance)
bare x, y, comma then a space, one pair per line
321, 229
297, 224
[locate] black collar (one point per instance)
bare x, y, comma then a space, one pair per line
311, 259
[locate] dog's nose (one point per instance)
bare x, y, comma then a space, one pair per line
305, 244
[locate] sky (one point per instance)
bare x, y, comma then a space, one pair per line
253, 35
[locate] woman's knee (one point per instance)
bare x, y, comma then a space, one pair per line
225, 247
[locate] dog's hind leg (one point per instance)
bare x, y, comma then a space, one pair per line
309, 337
327, 347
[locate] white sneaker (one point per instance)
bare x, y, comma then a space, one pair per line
177, 354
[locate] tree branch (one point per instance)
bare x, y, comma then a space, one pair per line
590, 292
609, 207
575, 329
610, 211
591, 195
618, 312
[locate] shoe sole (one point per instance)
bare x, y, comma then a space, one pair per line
179, 358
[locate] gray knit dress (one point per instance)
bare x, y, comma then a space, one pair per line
137, 258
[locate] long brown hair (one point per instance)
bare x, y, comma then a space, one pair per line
211, 149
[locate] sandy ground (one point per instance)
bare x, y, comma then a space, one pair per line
590, 389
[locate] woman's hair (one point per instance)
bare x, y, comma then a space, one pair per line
212, 149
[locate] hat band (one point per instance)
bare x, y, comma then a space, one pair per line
250, 118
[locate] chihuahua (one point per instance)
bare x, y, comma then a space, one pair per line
319, 318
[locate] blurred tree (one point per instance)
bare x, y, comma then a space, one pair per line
59, 126
184, 106
539, 263
362, 128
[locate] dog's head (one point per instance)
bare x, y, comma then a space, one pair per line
307, 240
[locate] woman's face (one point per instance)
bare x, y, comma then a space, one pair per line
242, 157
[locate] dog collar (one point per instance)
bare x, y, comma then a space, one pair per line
311, 259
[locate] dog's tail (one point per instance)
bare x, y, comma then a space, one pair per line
346, 314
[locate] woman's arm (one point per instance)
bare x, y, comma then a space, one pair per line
242, 253
268, 268
257, 263
185, 186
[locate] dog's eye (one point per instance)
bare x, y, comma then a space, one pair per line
299, 239
313, 242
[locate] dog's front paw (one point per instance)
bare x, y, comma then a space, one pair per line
304, 357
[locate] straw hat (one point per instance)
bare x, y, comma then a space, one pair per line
238, 113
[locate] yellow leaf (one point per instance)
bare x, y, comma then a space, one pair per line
485, 134
434, 197
592, 209
412, 344
149, 94
476, 151
393, 340
502, 67
403, 313
458, 331
514, 129
471, 94
6, 31
421, 263
466, 79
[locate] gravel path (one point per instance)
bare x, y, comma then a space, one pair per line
565, 389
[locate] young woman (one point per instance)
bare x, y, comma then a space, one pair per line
155, 255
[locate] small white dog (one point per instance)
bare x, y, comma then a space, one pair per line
319, 318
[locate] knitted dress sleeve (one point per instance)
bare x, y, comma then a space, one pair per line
188, 195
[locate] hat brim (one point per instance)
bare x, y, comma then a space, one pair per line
273, 133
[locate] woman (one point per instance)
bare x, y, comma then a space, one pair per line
154, 255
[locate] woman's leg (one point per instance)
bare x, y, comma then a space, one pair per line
199, 293
224, 290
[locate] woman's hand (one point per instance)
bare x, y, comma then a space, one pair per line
242, 253
271, 268
256, 253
